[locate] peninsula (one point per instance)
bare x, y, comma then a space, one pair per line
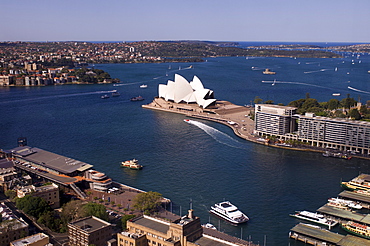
273, 125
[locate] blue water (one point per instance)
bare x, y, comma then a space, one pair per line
204, 162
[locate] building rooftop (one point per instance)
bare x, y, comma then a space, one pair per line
50, 160
153, 223
29, 240
90, 224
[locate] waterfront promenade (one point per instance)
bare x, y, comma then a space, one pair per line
237, 117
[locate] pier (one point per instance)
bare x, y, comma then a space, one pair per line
314, 235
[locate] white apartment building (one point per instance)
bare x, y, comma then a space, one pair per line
324, 132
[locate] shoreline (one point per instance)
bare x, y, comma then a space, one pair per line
234, 116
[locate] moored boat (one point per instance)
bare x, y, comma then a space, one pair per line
229, 212
209, 226
348, 203
104, 96
132, 164
315, 217
361, 182
357, 229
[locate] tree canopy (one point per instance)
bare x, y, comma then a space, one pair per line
147, 201
32, 205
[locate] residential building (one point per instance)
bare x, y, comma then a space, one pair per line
273, 119
50, 193
12, 227
39, 239
342, 134
90, 230
323, 132
6, 80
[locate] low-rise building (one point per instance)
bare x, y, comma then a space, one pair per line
90, 230
12, 227
186, 231
39, 239
50, 193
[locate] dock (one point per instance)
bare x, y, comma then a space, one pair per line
344, 215
363, 199
314, 235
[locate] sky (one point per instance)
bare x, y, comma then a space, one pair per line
213, 20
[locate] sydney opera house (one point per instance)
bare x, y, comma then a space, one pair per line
181, 91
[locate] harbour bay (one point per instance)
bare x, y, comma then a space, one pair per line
182, 161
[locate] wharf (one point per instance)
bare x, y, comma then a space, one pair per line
358, 197
316, 236
344, 215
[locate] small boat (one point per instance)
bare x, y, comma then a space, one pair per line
132, 164
314, 217
143, 86
139, 98
209, 226
336, 94
229, 212
115, 93
104, 96
357, 229
187, 120
268, 71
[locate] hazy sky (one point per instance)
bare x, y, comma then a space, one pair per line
215, 20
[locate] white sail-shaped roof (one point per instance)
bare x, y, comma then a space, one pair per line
181, 90
170, 92
196, 84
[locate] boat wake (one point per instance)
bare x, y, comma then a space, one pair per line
217, 135
295, 83
58, 96
354, 89
317, 71
155, 78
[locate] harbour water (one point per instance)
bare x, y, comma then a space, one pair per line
196, 165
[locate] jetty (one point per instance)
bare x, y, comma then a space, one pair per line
314, 235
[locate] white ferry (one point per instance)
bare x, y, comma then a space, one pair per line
344, 202
314, 217
229, 212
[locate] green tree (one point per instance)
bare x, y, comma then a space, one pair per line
11, 194
147, 201
310, 103
124, 220
354, 114
34, 206
348, 102
257, 100
95, 209
363, 110
52, 221
333, 104
71, 211
297, 103
269, 102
